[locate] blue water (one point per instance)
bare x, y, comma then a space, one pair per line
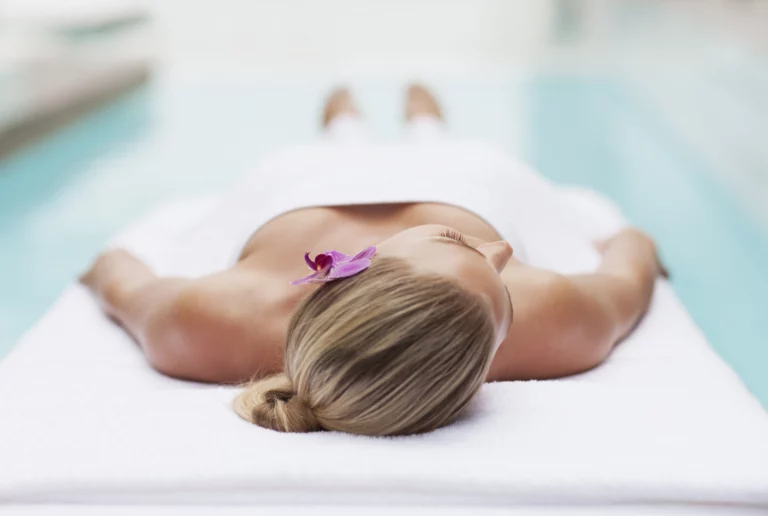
598, 134
61, 199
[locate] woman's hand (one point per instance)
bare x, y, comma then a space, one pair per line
632, 244
575, 320
102, 270
114, 274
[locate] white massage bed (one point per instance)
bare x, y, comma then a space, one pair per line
88, 428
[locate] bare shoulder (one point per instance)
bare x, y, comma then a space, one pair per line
548, 337
226, 327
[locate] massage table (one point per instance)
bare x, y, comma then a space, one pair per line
87, 427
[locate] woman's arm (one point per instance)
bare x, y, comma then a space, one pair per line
210, 329
568, 324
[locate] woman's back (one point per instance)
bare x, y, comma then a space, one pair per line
347, 228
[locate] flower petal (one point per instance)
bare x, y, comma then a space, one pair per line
309, 261
339, 257
344, 270
307, 279
367, 253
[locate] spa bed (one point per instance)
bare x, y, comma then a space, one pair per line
87, 427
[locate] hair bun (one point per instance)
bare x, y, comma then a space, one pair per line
273, 403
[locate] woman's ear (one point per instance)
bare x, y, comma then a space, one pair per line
498, 253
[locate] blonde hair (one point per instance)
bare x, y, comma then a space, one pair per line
389, 351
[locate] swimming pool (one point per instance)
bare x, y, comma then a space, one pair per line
61, 199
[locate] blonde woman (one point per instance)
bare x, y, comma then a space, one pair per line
379, 286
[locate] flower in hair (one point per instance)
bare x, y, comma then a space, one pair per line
334, 265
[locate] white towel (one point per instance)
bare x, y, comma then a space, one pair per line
664, 421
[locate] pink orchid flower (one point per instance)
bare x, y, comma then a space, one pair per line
334, 265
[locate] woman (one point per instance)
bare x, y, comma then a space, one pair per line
398, 335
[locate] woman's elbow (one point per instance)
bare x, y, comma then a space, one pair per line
194, 341
588, 333
169, 352
175, 345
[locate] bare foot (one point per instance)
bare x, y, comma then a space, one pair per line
340, 102
420, 101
